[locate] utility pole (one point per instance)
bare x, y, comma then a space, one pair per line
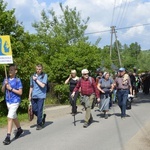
114, 31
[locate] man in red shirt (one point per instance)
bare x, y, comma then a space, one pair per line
88, 92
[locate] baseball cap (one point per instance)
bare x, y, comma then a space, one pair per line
122, 69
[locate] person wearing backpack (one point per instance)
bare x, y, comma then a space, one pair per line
105, 86
37, 94
73, 80
88, 91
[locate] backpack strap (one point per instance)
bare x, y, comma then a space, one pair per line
90, 79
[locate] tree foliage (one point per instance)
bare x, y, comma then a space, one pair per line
60, 45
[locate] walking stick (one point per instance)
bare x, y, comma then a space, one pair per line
74, 110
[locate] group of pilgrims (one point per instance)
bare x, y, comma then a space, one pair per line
106, 89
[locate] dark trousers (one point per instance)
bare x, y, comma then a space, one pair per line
37, 108
74, 98
122, 96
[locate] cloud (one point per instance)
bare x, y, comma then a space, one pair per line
27, 11
132, 32
102, 15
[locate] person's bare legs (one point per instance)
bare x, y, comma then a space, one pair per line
10, 125
16, 122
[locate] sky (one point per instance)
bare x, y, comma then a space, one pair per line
103, 14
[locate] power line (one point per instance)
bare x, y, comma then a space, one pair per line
119, 13
118, 29
146, 24
113, 13
124, 14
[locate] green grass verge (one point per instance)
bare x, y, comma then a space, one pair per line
21, 117
50, 101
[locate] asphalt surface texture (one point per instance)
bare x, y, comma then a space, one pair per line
60, 132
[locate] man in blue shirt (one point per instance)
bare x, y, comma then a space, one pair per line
12, 87
37, 94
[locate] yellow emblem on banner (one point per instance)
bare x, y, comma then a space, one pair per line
5, 50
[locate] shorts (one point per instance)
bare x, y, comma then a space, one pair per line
12, 110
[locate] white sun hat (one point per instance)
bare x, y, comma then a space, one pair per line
84, 71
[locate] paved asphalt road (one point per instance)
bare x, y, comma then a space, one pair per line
103, 134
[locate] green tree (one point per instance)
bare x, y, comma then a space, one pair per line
143, 61
130, 55
79, 56
22, 44
56, 32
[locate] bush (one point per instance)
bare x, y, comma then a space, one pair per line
3, 108
62, 93
22, 108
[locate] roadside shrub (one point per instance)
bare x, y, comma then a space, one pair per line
62, 93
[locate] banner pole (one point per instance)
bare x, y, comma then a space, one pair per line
6, 78
5, 72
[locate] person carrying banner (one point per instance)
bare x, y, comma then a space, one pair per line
12, 87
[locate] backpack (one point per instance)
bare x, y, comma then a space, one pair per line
90, 79
94, 101
47, 84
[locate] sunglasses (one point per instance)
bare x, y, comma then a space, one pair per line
85, 74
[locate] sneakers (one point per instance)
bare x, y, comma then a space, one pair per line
43, 120
85, 125
39, 127
7, 141
19, 132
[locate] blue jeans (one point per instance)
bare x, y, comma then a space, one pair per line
122, 96
37, 108
114, 95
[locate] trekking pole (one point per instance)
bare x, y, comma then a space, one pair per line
74, 110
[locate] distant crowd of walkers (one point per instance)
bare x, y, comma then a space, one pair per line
107, 89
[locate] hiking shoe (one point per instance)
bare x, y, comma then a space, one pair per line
39, 127
7, 141
19, 132
85, 125
43, 120
106, 116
